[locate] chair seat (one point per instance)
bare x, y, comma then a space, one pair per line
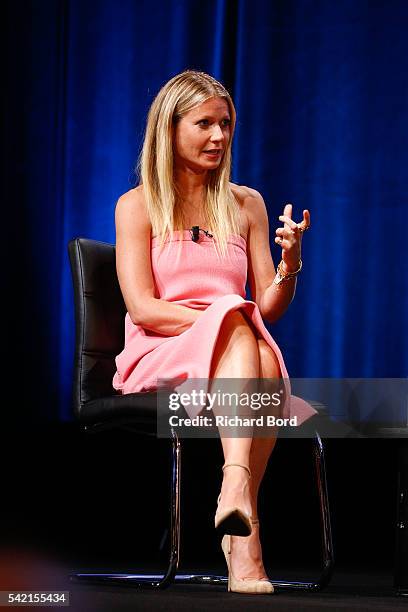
139, 409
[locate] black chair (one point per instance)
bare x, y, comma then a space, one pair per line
100, 312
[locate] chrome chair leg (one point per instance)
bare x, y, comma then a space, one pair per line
327, 544
152, 580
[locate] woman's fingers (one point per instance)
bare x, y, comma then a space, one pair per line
287, 211
285, 243
285, 232
305, 224
288, 221
306, 217
291, 232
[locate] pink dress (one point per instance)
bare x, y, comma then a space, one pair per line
191, 274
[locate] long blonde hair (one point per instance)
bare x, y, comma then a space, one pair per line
177, 97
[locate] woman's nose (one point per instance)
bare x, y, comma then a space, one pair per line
217, 133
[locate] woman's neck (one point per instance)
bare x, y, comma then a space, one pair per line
191, 186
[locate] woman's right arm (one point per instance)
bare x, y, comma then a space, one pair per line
133, 266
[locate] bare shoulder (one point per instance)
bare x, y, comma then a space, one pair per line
132, 200
251, 203
242, 191
131, 208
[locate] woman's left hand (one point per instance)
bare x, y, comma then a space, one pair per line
290, 237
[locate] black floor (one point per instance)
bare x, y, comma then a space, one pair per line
73, 502
350, 588
353, 591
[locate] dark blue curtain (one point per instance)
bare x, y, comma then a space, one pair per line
321, 94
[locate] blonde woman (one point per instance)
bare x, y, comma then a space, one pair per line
184, 287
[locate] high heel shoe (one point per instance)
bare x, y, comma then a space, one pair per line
233, 520
243, 585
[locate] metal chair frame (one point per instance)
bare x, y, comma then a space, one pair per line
170, 576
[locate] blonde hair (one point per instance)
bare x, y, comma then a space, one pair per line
177, 97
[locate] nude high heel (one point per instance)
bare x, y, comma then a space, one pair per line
244, 585
233, 520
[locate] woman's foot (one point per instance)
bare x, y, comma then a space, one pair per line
235, 494
246, 573
246, 556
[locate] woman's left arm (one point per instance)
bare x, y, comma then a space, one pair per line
273, 299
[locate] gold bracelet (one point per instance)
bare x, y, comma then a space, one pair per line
281, 276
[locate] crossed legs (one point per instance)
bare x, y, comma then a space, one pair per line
239, 353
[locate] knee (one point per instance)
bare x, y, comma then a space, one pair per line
236, 323
236, 337
235, 317
236, 351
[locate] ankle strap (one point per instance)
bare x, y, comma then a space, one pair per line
238, 465
254, 521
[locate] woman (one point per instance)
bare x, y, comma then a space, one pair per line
187, 316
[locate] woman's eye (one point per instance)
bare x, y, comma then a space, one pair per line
206, 123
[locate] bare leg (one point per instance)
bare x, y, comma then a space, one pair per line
262, 448
241, 354
236, 355
246, 559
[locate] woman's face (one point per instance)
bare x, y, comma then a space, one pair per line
202, 135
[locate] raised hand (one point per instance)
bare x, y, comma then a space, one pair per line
290, 237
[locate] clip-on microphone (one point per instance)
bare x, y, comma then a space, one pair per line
196, 233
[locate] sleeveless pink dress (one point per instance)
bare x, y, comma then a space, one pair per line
191, 274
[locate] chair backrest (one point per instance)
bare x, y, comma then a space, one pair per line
99, 319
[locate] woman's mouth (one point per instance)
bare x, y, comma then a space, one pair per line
213, 152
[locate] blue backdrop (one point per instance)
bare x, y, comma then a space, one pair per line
321, 94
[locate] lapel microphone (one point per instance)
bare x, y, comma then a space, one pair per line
195, 233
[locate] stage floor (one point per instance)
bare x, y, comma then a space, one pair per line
356, 590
